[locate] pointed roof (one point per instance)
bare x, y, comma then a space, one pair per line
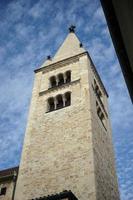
70, 47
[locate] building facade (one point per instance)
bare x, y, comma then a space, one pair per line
8, 179
68, 142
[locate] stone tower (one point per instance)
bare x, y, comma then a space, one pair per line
68, 144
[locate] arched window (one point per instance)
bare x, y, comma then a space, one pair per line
52, 81
67, 99
59, 101
68, 76
60, 79
51, 105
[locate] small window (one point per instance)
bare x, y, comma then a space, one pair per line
67, 99
59, 101
100, 115
60, 79
51, 104
3, 191
68, 77
52, 81
97, 90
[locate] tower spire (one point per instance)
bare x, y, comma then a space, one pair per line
70, 47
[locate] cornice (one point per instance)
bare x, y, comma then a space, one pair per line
60, 63
56, 88
62, 195
6, 178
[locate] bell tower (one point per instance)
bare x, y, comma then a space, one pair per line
68, 143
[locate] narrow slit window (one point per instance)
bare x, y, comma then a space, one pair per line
67, 99
51, 104
97, 90
60, 79
68, 77
52, 81
59, 101
101, 115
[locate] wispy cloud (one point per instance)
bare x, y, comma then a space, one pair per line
31, 30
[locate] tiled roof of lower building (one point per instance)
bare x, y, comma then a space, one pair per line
63, 195
8, 174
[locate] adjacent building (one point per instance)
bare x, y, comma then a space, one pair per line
8, 180
119, 16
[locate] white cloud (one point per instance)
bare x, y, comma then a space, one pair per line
39, 9
28, 36
99, 16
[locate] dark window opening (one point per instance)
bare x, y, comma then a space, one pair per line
60, 79
99, 94
59, 100
52, 81
100, 115
97, 91
67, 99
51, 105
68, 77
98, 111
3, 191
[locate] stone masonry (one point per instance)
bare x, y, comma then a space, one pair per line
68, 148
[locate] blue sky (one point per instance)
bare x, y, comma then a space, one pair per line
31, 30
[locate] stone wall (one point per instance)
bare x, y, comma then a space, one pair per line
57, 153
67, 149
105, 174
